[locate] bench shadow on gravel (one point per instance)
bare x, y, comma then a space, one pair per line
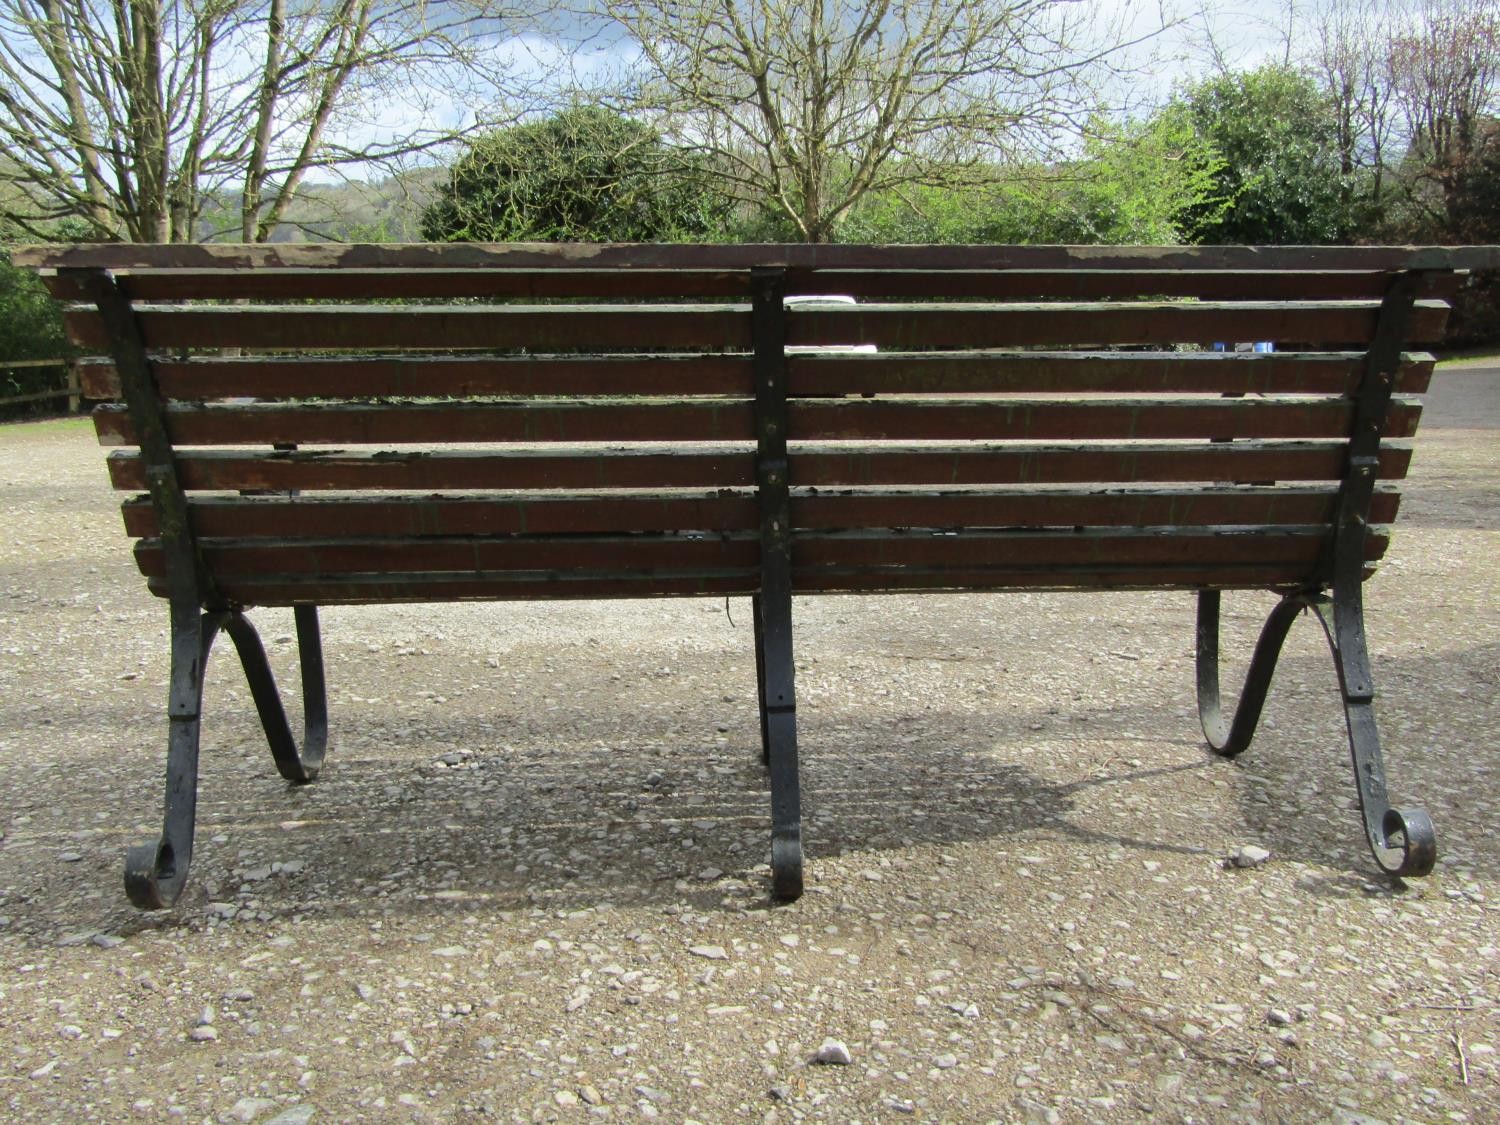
554, 820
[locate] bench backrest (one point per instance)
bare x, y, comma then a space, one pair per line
360, 424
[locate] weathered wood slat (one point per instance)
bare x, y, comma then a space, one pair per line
382, 589
731, 420
449, 469
434, 376
426, 516
602, 555
548, 256
310, 470
607, 556
524, 514
708, 421
559, 328
1093, 373
891, 373
1045, 548
1094, 285
1263, 576
273, 590
405, 284
1084, 420
1333, 323
727, 327
1020, 285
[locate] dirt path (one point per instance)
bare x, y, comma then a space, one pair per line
529, 886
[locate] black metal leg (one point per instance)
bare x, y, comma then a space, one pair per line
760, 679
1226, 739
294, 765
779, 719
155, 872
1408, 833
1402, 841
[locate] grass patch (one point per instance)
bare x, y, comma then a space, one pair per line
47, 427
1479, 357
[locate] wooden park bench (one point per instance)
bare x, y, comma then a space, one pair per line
314, 426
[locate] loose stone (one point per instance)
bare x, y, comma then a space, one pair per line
833, 1052
1250, 855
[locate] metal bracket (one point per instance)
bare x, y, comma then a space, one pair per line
188, 579
773, 605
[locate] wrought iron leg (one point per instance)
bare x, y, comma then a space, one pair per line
779, 727
760, 679
294, 765
155, 872
1408, 833
1226, 739
1401, 840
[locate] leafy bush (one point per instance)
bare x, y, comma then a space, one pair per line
31, 327
586, 174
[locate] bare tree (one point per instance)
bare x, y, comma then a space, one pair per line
139, 118
807, 106
1351, 59
1445, 73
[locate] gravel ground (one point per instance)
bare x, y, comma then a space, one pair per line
530, 885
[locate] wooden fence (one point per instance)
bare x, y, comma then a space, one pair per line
70, 390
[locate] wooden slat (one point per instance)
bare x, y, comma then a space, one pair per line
1016, 508
403, 284
604, 556
1075, 464
1093, 285
273, 590
727, 327
825, 374
1093, 373
433, 376
449, 469
416, 516
362, 327
834, 466
572, 256
257, 424
1083, 420
731, 420
1045, 548
1019, 285
1145, 323
601, 555
1273, 576
380, 589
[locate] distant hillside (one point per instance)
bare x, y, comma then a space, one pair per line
388, 210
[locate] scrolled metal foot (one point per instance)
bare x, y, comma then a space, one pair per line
153, 877
1409, 833
155, 872
1391, 832
786, 866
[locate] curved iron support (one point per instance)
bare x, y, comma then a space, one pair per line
294, 765
1226, 739
156, 871
1406, 832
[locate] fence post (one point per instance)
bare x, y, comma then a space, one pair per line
75, 398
